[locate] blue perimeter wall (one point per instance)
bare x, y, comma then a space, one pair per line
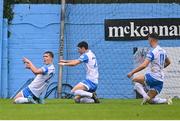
35, 29
1, 37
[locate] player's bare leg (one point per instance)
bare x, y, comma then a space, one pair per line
79, 86
140, 79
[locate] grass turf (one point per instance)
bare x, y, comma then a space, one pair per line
107, 109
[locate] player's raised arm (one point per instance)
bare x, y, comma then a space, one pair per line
31, 66
65, 61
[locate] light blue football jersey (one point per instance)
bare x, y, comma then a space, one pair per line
157, 57
89, 59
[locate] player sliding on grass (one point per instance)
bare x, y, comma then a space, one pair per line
156, 60
85, 91
31, 94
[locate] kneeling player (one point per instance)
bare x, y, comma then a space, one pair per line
31, 94
85, 91
155, 61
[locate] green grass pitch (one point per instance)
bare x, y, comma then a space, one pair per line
107, 109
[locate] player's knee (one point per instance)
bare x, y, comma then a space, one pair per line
16, 101
77, 92
77, 99
73, 92
135, 79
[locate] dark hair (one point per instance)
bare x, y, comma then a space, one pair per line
153, 35
50, 53
83, 44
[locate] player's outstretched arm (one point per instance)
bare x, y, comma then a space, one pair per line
65, 61
167, 62
139, 68
69, 62
29, 65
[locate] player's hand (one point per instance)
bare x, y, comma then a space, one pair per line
61, 63
129, 75
26, 60
27, 63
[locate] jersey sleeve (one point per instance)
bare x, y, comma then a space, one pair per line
150, 56
83, 58
44, 69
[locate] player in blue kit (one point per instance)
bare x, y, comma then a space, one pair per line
32, 93
156, 60
85, 91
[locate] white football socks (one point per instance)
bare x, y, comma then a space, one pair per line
86, 100
140, 89
157, 100
83, 93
